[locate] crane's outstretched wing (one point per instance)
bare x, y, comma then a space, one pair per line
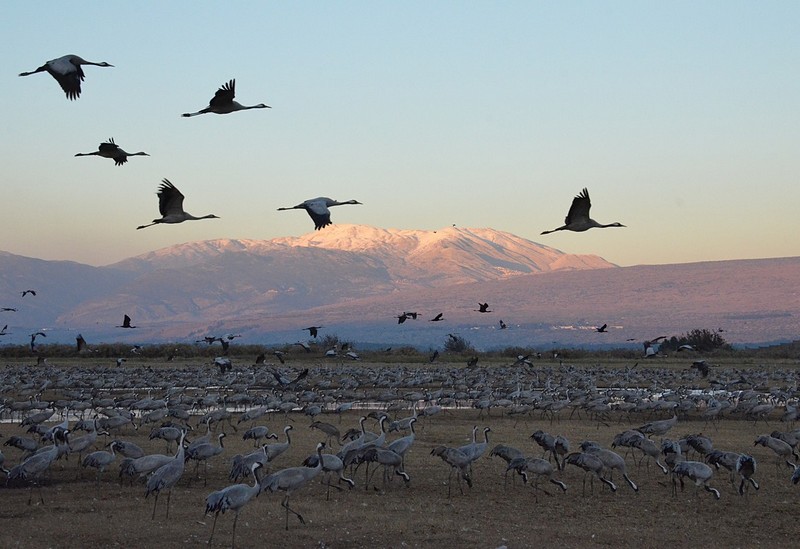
580, 208
224, 95
319, 213
170, 199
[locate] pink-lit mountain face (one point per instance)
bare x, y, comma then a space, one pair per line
355, 280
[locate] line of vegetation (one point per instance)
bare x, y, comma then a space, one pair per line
707, 343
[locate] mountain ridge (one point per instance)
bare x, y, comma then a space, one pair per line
359, 279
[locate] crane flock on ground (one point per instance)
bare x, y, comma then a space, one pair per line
545, 455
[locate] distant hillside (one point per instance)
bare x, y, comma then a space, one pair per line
213, 283
751, 301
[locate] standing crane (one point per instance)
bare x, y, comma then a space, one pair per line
166, 476
317, 209
68, 73
578, 219
111, 150
223, 103
290, 480
232, 497
170, 205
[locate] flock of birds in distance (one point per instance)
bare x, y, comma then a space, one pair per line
68, 72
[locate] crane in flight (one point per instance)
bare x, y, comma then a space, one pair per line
223, 103
68, 73
126, 322
111, 150
317, 209
170, 204
578, 216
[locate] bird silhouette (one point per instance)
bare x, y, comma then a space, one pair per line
170, 204
503, 325
578, 216
223, 103
26, 292
483, 308
80, 343
68, 73
437, 318
126, 322
312, 330
602, 329
33, 339
317, 209
111, 150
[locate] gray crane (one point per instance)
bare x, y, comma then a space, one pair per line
256, 434
100, 460
539, 468
578, 219
204, 452
142, 466
696, 471
223, 103
476, 449
403, 444
68, 73
109, 149
166, 476
128, 449
507, 454
290, 480
240, 466
330, 430
725, 459
317, 209
591, 464
233, 498
555, 445
746, 468
355, 443
782, 449
277, 448
170, 205
612, 461
458, 462
389, 460
331, 463
36, 465
658, 428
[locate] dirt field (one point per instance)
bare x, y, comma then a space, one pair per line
78, 513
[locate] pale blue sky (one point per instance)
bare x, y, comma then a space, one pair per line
682, 119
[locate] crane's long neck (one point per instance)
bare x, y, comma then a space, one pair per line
318, 468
